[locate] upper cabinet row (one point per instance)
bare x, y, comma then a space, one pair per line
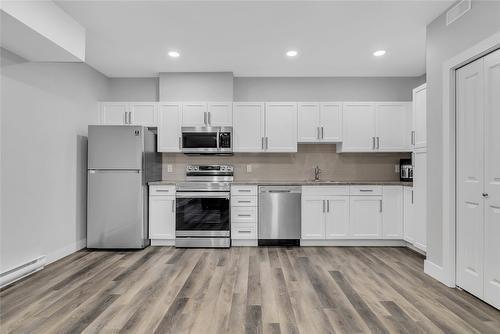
275, 126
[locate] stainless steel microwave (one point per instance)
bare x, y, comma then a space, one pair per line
207, 140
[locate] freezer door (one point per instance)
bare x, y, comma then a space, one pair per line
115, 147
115, 215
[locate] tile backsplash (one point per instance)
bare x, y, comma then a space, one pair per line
296, 166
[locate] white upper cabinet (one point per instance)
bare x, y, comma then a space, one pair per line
319, 122
194, 114
248, 126
330, 114
114, 113
143, 113
419, 134
358, 127
308, 122
220, 114
392, 212
169, 127
281, 127
393, 126
376, 127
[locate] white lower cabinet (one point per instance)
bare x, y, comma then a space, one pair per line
244, 215
366, 217
409, 214
162, 215
355, 212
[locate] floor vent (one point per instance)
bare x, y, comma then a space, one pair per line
455, 12
28, 268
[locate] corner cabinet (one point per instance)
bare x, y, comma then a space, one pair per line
162, 215
376, 127
265, 127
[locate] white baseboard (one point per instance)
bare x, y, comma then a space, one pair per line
12, 275
67, 250
244, 243
358, 242
436, 272
162, 242
415, 248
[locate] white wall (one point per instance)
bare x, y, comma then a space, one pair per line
196, 86
443, 43
133, 89
45, 110
325, 89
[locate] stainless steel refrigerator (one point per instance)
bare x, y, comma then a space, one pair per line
122, 159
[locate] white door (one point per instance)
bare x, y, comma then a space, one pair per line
144, 113
393, 126
194, 114
308, 122
313, 218
337, 217
392, 212
161, 217
248, 127
358, 127
281, 127
409, 215
331, 122
114, 113
365, 217
492, 179
470, 171
220, 114
169, 127
419, 117
420, 198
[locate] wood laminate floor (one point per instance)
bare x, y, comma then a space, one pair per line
237, 290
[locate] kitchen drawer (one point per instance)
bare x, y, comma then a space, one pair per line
243, 190
244, 201
365, 190
243, 231
325, 190
244, 214
162, 190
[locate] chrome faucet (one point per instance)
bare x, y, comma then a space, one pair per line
317, 172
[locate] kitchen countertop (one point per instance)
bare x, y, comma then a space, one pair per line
298, 183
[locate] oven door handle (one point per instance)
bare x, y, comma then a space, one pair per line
202, 194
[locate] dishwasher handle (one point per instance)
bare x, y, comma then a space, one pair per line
280, 190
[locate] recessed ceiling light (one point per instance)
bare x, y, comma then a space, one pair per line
291, 53
379, 53
174, 54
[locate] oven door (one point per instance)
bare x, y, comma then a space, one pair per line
202, 214
200, 140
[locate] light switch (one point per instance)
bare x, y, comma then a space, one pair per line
249, 168
170, 168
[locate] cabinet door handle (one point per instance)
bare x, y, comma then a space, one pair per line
262, 142
328, 206
378, 143
322, 133
373, 143
209, 117
413, 137
180, 143
412, 196
205, 118
380, 205
317, 133
323, 205
125, 117
173, 206
129, 117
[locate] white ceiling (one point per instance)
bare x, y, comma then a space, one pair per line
250, 38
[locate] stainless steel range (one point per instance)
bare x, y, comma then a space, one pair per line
203, 217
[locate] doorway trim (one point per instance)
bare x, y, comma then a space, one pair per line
446, 273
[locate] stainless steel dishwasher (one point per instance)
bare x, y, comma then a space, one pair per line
279, 215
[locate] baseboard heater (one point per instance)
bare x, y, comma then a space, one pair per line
28, 268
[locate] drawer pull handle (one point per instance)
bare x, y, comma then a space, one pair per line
162, 190
246, 215
366, 190
244, 201
244, 231
244, 190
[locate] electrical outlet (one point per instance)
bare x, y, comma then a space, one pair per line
249, 168
396, 168
170, 168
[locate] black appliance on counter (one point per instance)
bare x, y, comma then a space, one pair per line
405, 170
